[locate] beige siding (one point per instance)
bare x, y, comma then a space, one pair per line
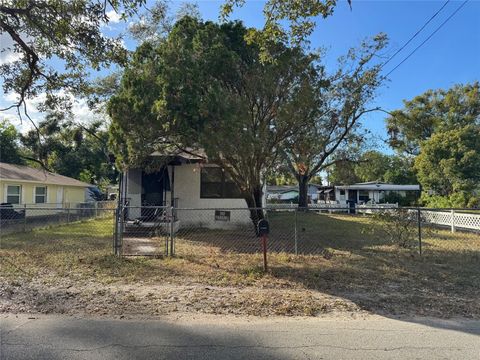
71, 194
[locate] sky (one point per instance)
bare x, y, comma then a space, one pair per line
450, 57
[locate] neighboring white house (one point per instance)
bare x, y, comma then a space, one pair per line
282, 193
371, 192
289, 193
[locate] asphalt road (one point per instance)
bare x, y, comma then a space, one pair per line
202, 337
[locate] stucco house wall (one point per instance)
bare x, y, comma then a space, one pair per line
192, 209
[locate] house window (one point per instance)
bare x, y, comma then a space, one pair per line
14, 194
40, 195
217, 184
363, 196
342, 194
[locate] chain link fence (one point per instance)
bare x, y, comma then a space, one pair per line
163, 231
17, 219
197, 232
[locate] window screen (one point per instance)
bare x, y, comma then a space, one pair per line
14, 194
217, 184
40, 195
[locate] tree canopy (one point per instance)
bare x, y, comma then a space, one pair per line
205, 87
71, 149
10, 151
450, 161
373, 165
432, 112
331, 117
68, 33
289, 21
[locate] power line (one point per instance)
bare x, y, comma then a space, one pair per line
428, 38
415, 35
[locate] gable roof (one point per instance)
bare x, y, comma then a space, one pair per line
280, 189
29, 174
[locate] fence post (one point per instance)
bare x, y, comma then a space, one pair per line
172, 235
452, 212
68, 212
419, 220
25, 218
119, 231
296, 233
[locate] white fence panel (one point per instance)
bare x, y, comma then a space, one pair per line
453, 219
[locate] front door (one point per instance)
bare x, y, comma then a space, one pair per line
154, 186
352, 195
59, 197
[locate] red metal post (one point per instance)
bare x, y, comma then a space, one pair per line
264, 243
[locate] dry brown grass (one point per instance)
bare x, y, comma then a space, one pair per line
354, 271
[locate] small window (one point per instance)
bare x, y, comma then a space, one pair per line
40, 195
342, 192
14, 194
363, 196
217, 184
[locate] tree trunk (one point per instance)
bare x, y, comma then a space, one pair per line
254, 203
303, 191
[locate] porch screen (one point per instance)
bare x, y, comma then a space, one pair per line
217, 184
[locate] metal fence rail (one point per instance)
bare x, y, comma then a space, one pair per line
195, 232
22, 219
200, 232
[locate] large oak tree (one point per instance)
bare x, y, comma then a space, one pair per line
205, 87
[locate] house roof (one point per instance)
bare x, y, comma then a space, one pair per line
281, 188
375, 185
29, 174
190, 154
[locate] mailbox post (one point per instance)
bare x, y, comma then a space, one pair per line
263, 231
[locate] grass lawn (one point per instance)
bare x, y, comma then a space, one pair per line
71, 269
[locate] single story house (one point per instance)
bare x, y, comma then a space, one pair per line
289, 193
370, 192
26, 186
201, 193
282, 193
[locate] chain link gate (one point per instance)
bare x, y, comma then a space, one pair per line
145, 231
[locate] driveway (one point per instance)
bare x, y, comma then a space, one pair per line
224, 337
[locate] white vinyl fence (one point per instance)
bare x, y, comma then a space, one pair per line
453, 218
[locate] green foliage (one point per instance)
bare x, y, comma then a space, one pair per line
393, 197
342, 173
374, 166
71, 149
204, 87
460, 199
433, 112
10, 151
299, 17
449, 161
442, 128
397, 226
331, 113
68, 31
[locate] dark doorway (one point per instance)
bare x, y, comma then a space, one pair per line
352, 195
154, 188
352, 200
